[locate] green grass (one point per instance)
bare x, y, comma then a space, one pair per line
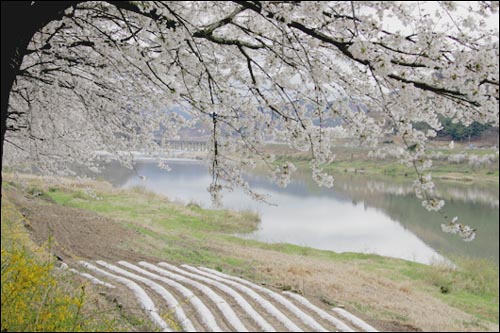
440, 170
181, 228
191, 234
471, 286
352, 159
298, 250
136, 205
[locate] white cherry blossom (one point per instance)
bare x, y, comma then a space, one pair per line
128, 76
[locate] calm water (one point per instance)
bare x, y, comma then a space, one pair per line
360, 214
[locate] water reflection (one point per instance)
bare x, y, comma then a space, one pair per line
360, 214
474, 193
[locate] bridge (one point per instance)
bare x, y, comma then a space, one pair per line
188, 145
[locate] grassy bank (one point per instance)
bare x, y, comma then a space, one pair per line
393, 293
356, 160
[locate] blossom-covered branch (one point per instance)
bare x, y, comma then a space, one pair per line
109, 75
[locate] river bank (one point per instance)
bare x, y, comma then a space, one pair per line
460, 164
137, 224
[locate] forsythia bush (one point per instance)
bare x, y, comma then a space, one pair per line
32, 297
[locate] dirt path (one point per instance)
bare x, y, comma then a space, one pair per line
75, 233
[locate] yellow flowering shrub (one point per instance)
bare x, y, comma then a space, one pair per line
32, 297
36, 296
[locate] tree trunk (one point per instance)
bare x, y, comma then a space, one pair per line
20, 21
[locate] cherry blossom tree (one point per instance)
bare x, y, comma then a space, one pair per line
82, 77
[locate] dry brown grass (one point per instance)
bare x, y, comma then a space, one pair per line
390, 304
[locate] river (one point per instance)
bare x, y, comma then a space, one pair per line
359, 214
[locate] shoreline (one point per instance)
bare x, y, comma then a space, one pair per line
382, 290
